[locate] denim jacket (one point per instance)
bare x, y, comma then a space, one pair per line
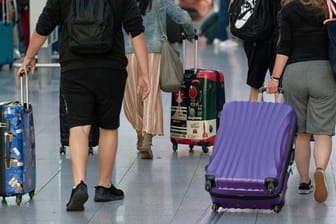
153, 33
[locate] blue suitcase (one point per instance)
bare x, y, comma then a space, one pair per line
17, 150
6, 43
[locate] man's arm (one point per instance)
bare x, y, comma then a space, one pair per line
35, 44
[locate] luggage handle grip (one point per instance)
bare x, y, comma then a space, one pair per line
23, 93
195, 42
280, 98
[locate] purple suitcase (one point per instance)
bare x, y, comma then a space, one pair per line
252, 156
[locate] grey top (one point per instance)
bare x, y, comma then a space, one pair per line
153, 33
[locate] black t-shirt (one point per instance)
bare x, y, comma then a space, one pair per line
302, 33
125, 14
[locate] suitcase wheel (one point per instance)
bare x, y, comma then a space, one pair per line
18, 199
277, 208
205, 149
62, 150
32, 194
174, 146
90, 151
215, 207
208, 185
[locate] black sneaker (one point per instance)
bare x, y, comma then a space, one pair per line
104, 194
78, 197
305, 188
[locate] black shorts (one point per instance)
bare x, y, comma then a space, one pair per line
93, 96
260, 58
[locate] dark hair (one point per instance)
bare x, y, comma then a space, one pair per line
144, 5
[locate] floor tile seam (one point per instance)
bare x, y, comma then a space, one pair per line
127, 171
203, 215
186, 191
45, 185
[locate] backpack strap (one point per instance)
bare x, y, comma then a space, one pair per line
331, 10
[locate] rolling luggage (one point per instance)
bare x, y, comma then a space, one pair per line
252, 156
64, 130
17, 149
195, 107
6, 34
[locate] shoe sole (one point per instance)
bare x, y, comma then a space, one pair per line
321, 192
77, 202
115, 198
305, 191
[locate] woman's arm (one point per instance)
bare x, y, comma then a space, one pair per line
140, 50
180, 16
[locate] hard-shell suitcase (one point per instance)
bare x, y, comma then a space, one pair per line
252, 156
64, 130
6, 34
195, 107
17, 149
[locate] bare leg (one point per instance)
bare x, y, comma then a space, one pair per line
253, 94
79, 143
322, 150
108, 143
302, 156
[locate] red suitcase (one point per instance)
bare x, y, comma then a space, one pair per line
195, 107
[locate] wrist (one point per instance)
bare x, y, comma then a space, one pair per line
275, 78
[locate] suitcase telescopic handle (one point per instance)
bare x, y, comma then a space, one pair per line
7, 144
24, 91
184, 53
280, 98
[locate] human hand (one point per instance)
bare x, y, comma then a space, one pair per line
28, 66
272, 86
190, 35
143, 86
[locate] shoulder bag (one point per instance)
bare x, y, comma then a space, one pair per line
171, 67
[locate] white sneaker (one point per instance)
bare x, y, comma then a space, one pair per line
228, 44
216, 42
16, 53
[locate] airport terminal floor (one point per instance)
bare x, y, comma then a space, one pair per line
166, 190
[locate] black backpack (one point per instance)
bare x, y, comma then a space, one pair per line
251, 20
90, 26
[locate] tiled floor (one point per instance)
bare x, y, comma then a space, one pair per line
169, 189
